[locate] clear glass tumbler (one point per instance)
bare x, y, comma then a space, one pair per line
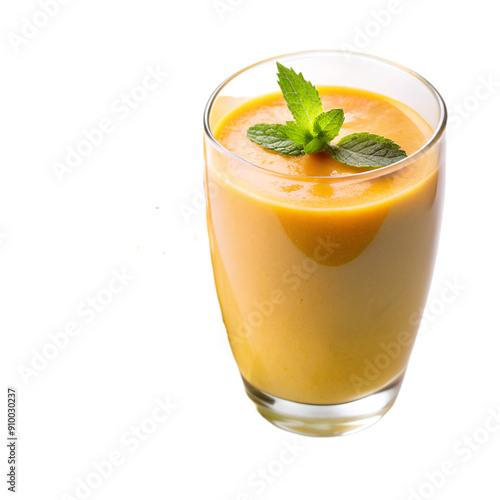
321, 280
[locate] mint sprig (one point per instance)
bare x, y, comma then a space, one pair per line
313, 129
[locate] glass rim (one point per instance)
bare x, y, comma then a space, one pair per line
375, 172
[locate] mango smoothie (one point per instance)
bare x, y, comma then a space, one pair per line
319, 266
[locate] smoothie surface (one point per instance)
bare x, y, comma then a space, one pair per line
364, 112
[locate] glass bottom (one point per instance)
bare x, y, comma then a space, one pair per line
325, 420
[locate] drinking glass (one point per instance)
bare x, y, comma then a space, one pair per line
322, 280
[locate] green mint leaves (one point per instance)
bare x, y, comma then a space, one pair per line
366, 150
273, 137
327, 125
301, 97
314, 129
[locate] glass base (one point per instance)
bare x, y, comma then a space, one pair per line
325, 420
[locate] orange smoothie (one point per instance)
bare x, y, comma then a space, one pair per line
319, 266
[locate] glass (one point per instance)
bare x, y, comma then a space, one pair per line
322, 294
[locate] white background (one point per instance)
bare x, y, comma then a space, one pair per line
123, 209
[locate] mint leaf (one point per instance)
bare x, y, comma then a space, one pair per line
314, 146
273, 137
297, 134
327, 125
366, 150
313, 130
301, 97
